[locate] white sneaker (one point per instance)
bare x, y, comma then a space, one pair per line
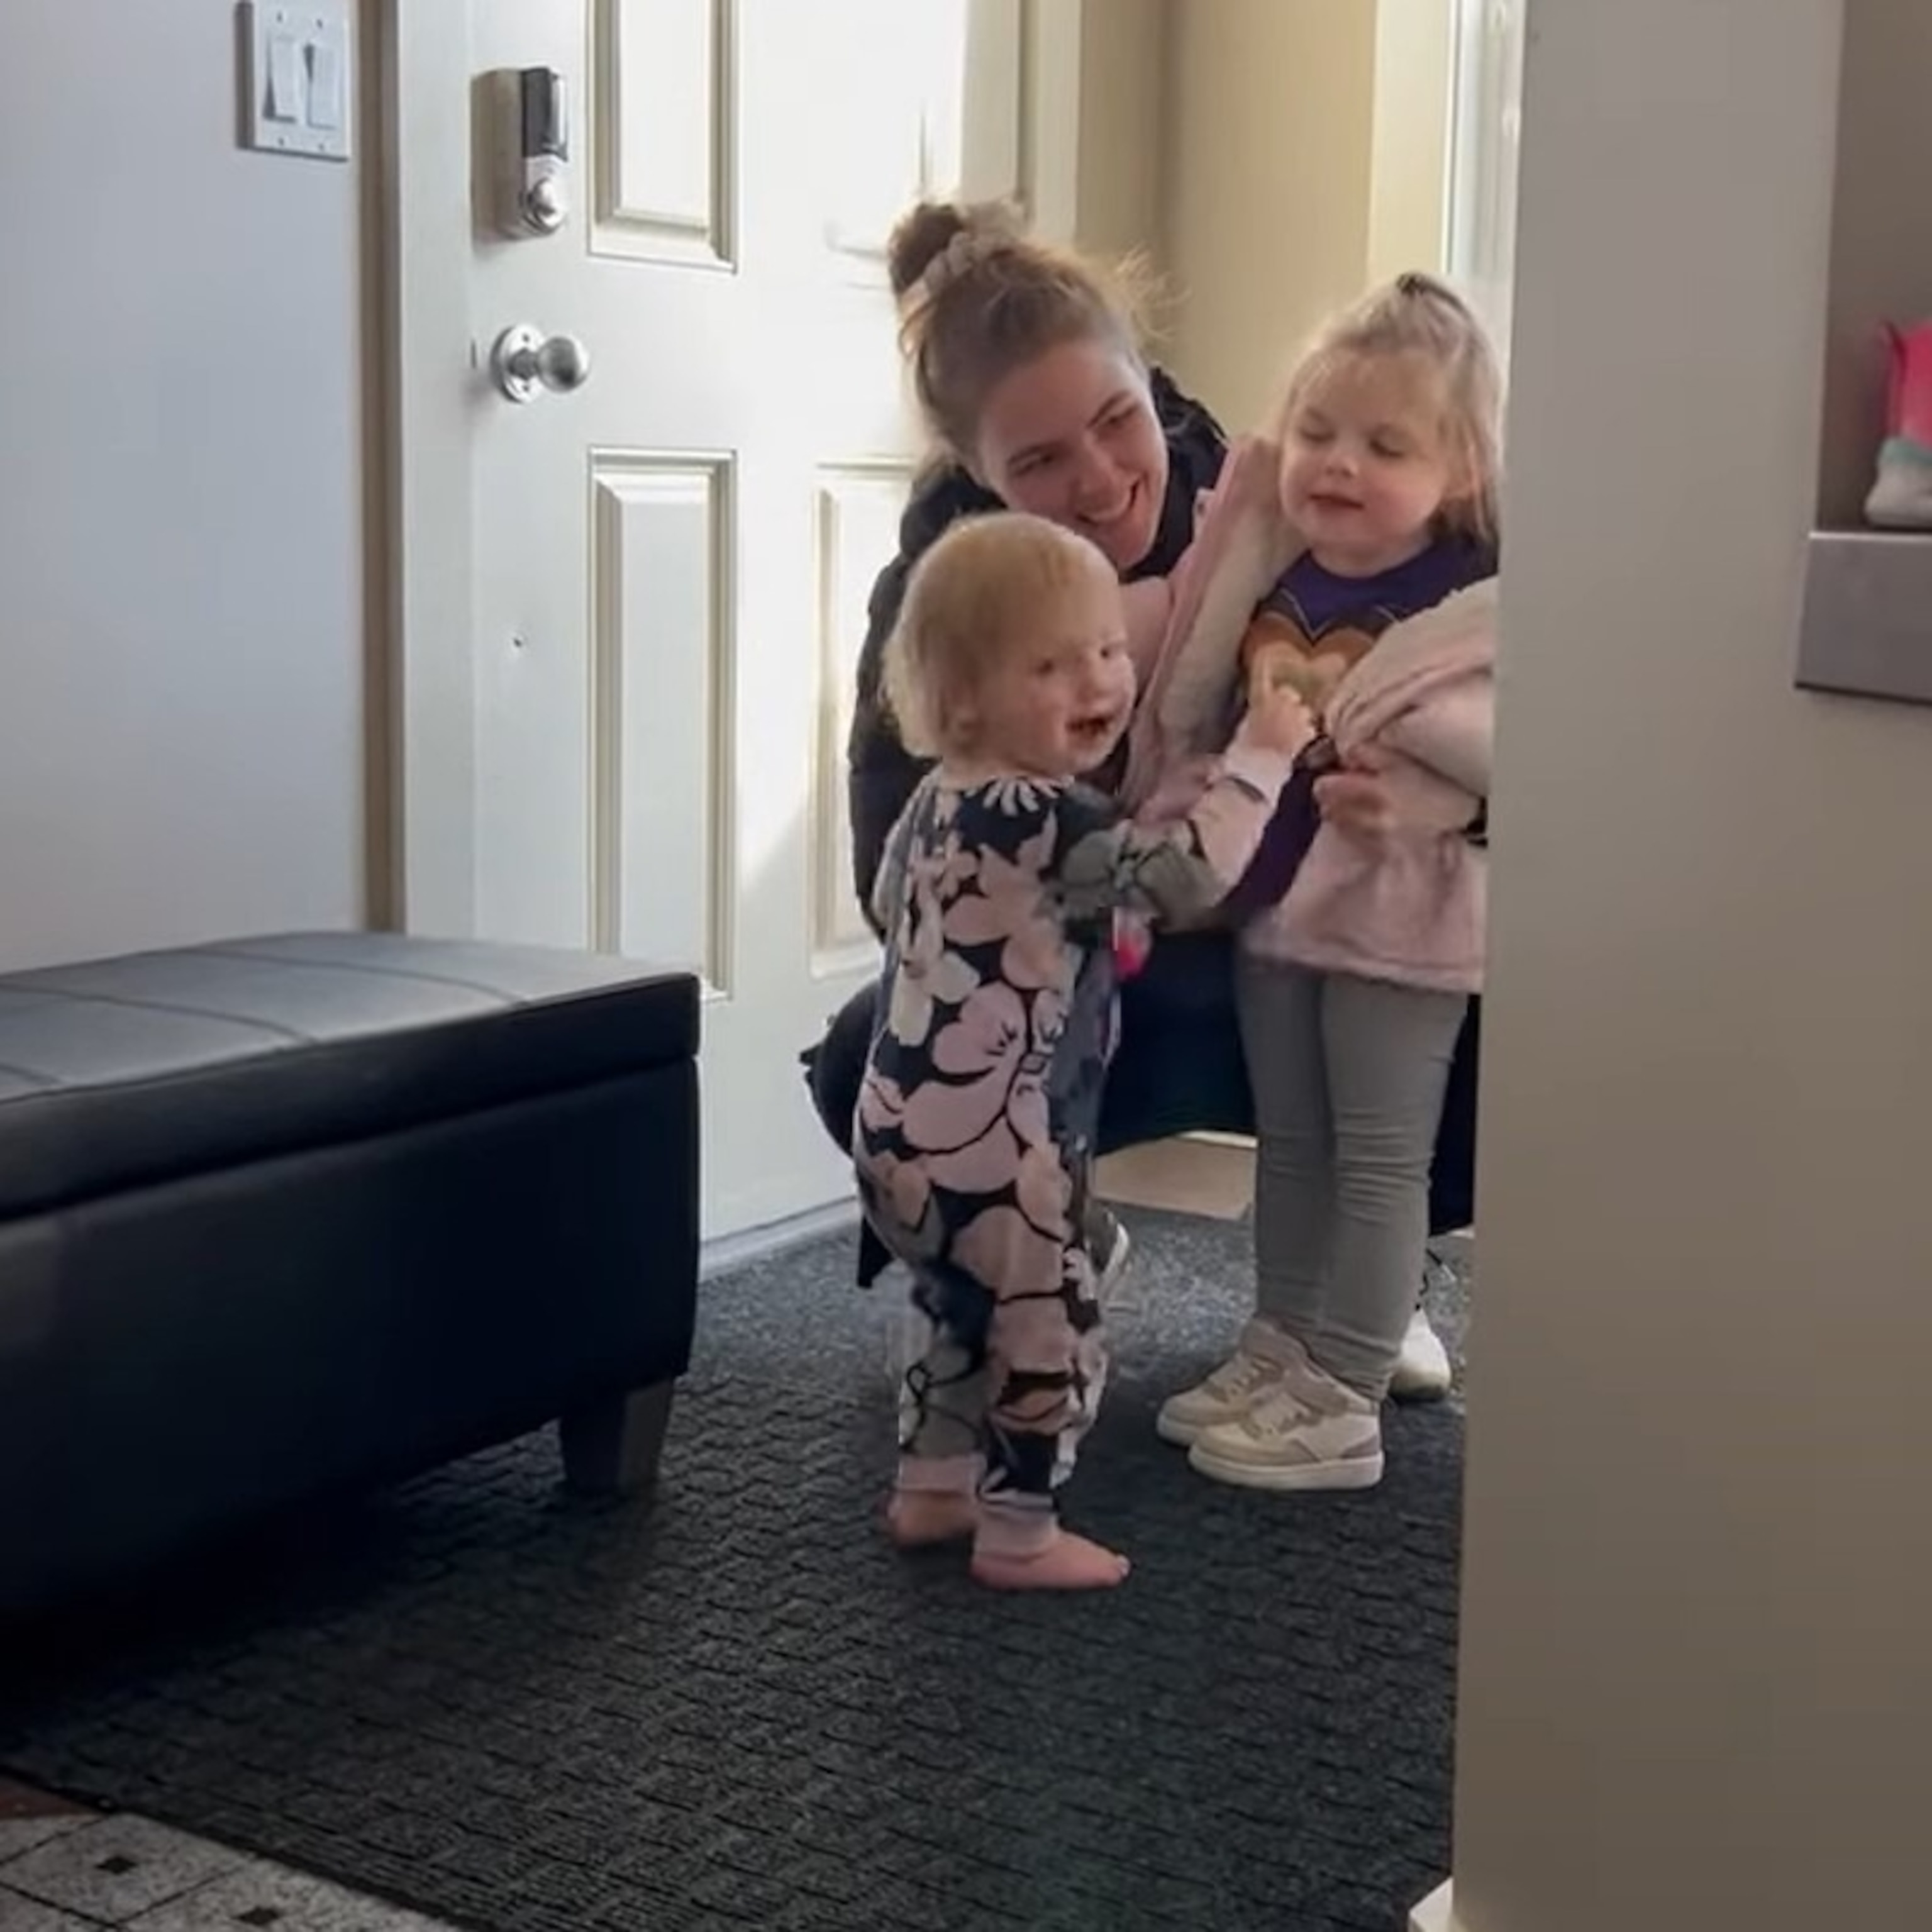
1309, 1432
1422, 1372
1224, 1396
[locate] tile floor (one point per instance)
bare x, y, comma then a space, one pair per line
1198, 1173
65, 1869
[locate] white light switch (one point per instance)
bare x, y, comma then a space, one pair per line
325, 85
285, 86
297, 75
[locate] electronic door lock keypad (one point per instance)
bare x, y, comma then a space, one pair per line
531, 138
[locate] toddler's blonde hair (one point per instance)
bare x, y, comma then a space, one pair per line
1415, 315
991, 582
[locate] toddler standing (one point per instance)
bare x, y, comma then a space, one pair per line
975, 1123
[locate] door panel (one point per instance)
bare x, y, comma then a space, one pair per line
664, 129
659, 577
672, 563
859, 509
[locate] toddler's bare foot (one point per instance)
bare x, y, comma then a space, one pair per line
918, 1519
1069, 1562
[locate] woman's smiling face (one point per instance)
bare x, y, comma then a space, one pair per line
1071, 435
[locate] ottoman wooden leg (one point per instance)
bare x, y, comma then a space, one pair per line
612, 1447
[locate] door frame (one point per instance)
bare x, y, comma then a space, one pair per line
429, 378
1485, 87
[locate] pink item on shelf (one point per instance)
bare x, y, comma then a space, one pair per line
1901, 492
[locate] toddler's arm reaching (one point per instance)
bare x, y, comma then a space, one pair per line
1180, 870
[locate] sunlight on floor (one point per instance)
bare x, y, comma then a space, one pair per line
1211, 1175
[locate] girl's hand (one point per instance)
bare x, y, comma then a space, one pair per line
1278, 720
1359, 801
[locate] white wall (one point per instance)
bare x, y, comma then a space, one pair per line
1407, 207
180, 735
1698, 1561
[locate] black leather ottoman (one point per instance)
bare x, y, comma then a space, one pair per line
284, 1216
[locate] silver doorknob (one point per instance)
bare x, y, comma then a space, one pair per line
526, 360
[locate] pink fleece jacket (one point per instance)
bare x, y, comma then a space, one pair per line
1411, 909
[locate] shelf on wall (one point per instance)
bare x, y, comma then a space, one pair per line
1866, 630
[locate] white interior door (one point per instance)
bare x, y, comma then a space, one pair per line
667, 568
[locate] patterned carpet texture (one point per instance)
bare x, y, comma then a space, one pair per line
742, 1708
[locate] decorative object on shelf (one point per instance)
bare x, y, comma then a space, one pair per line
1901, 496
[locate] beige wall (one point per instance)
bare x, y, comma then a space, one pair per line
1270, 159
1123, 48
1305, 157
1696, 1695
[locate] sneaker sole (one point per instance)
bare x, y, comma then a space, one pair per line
1423, 1388
1182, 1434
1361, 1472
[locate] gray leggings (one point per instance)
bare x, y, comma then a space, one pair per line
1348, 1076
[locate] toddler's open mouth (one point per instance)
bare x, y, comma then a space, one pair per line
1095, 732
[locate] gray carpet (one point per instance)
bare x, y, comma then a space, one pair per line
742, 1709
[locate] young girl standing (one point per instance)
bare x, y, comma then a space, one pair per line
1352, 988
978, 1113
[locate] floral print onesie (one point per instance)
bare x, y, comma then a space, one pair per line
975, 1130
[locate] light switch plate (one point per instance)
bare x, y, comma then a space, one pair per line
297, 78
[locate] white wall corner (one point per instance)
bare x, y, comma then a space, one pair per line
1437, 1912
1415, 84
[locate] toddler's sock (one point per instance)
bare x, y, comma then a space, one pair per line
1020, 1545
934, 1500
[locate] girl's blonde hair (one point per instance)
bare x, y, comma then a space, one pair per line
1416, 315
979, 297
991, 582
